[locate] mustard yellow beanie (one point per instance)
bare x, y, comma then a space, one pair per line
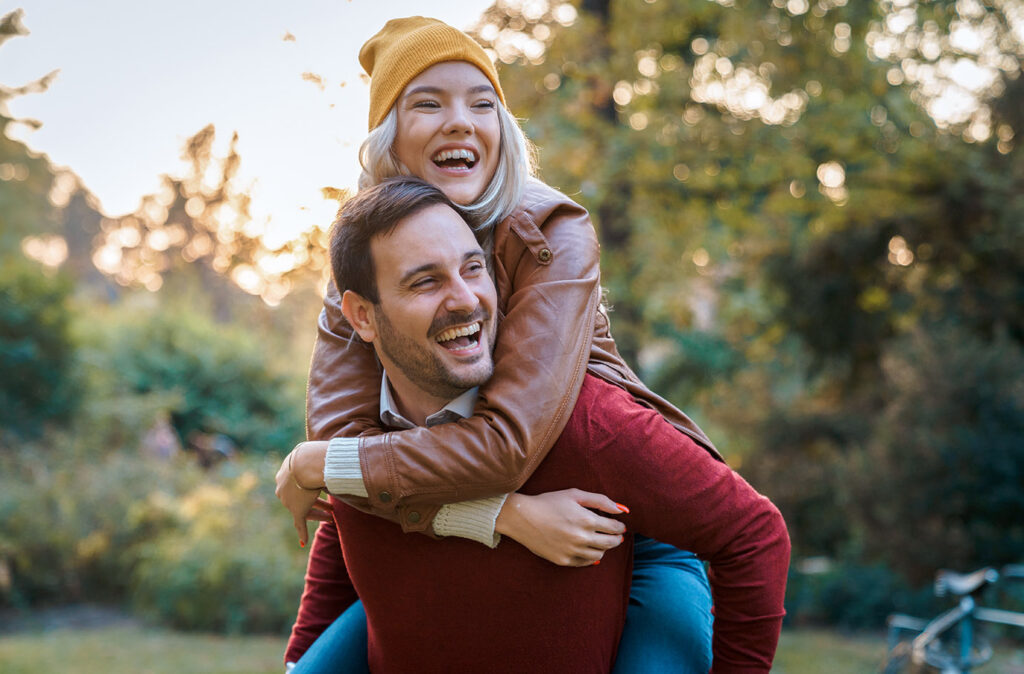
406, 47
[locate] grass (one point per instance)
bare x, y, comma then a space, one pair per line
138, 650
814, 651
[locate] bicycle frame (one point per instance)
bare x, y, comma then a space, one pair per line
925, 647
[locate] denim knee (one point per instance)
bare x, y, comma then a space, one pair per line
669, 621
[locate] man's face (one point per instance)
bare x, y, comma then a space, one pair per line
435, 322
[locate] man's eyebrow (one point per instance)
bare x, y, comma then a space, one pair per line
428, 89
431, 266
408, 276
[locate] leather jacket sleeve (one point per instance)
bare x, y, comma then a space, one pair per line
546, 266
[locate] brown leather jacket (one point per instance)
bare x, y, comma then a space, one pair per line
552, 330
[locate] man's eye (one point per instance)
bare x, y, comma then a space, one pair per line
422, 284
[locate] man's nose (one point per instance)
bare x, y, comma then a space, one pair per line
461, 297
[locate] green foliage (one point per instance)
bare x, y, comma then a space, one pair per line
188, 548
213, 378
950, 444
854, 596
36, 349
226, 563
71, 520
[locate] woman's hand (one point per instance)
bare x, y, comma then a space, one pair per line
304, 503
560, 527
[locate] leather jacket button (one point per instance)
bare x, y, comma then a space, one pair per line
544, 255
414, 517
384, 496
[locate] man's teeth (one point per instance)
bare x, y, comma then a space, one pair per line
445, 155
455, 333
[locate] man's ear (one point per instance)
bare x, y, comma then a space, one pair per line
358, 311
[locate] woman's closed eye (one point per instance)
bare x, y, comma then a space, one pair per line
426, 105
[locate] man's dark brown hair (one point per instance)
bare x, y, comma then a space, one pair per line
375, 211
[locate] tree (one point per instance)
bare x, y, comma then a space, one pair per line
26, 179
780, 215
196, 232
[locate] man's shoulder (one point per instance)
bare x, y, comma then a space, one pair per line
605, 409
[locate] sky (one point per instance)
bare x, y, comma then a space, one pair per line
137, 78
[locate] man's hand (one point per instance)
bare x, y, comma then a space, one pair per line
559, 526
303, 502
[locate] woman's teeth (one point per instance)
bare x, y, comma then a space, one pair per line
469, 157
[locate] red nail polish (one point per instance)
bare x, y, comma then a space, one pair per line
597, 562
623, 508
302, 544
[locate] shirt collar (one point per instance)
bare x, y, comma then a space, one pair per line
459, 408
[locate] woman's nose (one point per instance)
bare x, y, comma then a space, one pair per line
457, 120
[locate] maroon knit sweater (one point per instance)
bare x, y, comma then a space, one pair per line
453, 605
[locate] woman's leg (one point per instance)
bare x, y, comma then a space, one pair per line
668, 623
341, 649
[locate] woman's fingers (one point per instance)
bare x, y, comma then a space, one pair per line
302, 529
320, 511
606, 525
605, 542
600, 502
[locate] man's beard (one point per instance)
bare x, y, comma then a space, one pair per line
423, 367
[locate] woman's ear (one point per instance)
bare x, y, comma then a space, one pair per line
358, 311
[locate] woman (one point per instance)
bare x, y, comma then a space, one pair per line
437, 111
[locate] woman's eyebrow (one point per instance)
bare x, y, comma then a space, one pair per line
429, 89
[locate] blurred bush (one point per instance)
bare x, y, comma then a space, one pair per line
71, 519
853, 596
36, 349
227, 562
94, 509
184, 547
211, 378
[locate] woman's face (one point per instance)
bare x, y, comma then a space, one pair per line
448, 132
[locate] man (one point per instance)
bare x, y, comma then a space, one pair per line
426, 303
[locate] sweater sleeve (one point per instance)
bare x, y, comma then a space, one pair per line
679, 493
328, 592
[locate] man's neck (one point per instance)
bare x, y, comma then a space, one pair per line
411, 401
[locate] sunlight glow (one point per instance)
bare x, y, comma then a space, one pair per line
50, 250
951, 76
899, 253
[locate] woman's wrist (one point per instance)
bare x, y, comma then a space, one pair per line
509, 521
308, 464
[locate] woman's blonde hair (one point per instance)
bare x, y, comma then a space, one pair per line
516, 164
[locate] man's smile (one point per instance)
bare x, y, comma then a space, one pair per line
461, 339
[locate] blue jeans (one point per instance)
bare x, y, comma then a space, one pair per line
668, 622
341, 649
